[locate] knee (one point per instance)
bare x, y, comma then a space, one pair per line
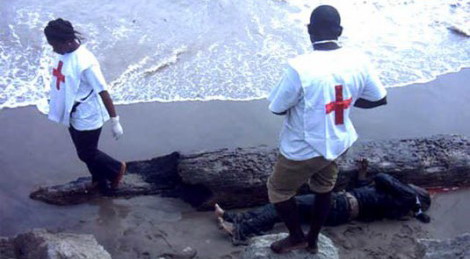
277, 195
86, 155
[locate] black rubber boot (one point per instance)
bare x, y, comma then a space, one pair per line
321, 208
289, 214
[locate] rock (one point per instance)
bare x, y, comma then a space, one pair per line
236, 178
7, 250
186, 253
458, 247
259, 248
460, 27
459, 30
42, 244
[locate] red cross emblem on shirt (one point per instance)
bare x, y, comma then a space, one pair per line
339, 105
57, 72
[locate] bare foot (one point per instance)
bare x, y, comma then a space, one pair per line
312, 249
226, 226
288, 244
218, 211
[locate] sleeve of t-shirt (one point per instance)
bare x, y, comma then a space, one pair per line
373, 89
95, 78
287, 92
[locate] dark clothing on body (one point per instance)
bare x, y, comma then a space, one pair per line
388, 198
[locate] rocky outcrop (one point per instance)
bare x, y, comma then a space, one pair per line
259, 249
237, 178
7, 249
458, 247
460, 29
42, 244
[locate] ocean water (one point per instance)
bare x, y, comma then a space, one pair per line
167, 50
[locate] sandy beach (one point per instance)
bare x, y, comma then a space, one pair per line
36, 152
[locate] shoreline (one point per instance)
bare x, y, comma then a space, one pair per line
212, 99
215, 98
36, 152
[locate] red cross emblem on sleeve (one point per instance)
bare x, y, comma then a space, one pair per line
339, 105
57, 72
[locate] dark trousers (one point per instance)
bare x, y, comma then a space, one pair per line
101, 166
262, 219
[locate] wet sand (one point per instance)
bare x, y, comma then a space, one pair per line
35, 152
398, 239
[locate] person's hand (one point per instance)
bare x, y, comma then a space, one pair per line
116, 127
362, 164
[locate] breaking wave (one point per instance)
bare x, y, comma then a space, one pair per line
170, 51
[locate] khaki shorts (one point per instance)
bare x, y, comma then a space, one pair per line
290, 175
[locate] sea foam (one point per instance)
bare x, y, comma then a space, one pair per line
224, 50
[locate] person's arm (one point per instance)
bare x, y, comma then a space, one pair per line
362, 179
95, 78
108, 103
393, 186
403, 194
373, 94
280, 113
366, 104
286, 94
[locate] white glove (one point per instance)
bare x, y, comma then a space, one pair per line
116, 127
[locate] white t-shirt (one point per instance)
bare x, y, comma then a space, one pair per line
78, 78
318, 91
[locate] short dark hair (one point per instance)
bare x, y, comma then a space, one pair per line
325, 19
61, 30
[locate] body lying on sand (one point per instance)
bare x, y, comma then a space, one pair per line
384, 198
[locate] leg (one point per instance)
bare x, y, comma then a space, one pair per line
113, 169
305, 203
391, 185
289, 214
253, 222
282, 185
265, 213
321, 208
226, 226
259, 220
86, 143
322, 184
247, 224
101, 166
218, 211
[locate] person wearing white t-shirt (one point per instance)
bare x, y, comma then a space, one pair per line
316, 95
79, 100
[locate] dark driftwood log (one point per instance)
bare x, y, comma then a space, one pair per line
150, 177
237, 178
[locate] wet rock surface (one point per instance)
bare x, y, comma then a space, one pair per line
42, 244
7, 249
259, 248
458, 247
